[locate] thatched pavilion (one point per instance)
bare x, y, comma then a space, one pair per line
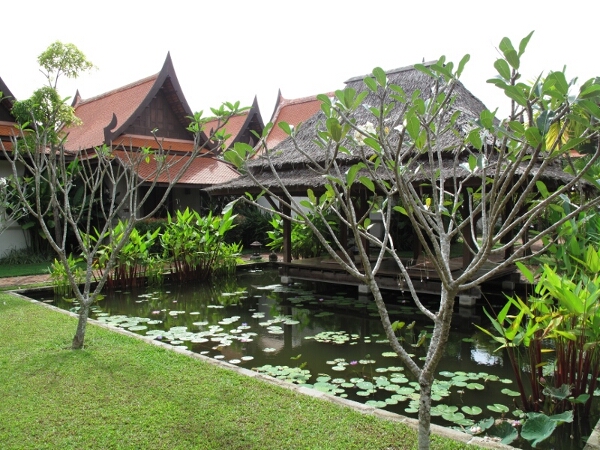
294, 169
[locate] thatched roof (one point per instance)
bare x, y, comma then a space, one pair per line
292, 165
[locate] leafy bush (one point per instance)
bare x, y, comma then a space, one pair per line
150, 226
60, 277
133, 260
251, 224
195, 245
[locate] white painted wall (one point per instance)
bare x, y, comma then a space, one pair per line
13, 237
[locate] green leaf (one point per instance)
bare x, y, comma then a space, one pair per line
371, 84
472, 163
373, 143
537, 428
401, 210
461, 65
516, 126
559, 393
566, 416
523, 44
591, 91
486, 118
380, 76
505, 431
581, 398
335, 129
533, 136
509, 53
351, 174
525, 271
287, 129
514, 93
368, 183
413, 126
503, 68
474, 139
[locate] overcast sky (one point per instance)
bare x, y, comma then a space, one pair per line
236, 49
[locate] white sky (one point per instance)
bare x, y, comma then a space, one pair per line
233, 50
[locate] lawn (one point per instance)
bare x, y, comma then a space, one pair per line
120, 392
18, 270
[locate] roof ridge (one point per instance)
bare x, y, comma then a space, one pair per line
119, 89
392, 71
295, 101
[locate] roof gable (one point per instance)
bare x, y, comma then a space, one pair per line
240, 126
6, 103
125, 110
292, 111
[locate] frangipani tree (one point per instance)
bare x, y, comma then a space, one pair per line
89, 191
420, 150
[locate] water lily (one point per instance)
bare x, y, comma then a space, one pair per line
353, 363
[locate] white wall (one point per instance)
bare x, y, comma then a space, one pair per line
13, 237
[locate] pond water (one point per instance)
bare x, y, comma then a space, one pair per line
329, 339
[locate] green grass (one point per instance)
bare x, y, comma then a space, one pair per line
120, 392
9, 270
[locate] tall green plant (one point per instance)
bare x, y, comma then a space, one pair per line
133, 262
553, 338
195, 245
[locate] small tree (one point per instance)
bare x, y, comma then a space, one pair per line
84, 186
416, 153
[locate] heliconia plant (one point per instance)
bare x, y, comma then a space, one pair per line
552, 338
133, 261
195, 247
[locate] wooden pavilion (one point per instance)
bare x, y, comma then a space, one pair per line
151, 112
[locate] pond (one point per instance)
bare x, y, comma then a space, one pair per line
330, 340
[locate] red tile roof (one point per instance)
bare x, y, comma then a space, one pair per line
132, 141
97, 113
203, 171
233, 127
293, 112
8, 129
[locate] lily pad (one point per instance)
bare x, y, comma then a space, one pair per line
472, 410
498, 408
510, 392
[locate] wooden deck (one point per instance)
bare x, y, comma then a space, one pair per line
424, 278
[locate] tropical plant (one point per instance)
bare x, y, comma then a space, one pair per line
134, 259
419, 153
60, 277
552, 338
195, 245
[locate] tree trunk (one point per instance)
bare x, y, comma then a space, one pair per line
424, 411
78, 339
